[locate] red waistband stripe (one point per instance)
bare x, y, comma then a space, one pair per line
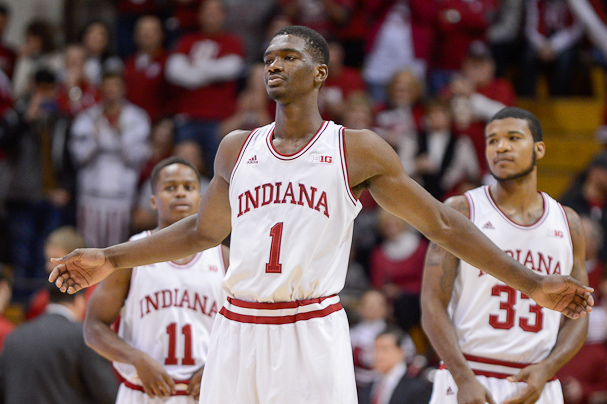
281, 312
496, 368
181, 387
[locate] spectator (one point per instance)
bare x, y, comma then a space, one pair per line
393, 385
594, 265
359, 111
324, 16
552, 35
128, 12
396, 267
460, 22
402, 39
184, 17
247, 19
373, 312
205, 66
75, 93
95, 38
109, 145
46, 360
342, 81
504, 35
8, 56
441, 161
59, 242
6, 326
37, 52
40, 196
401, 120
146, 85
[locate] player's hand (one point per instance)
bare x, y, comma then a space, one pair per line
472, 392
79, 269
565, 294
154, 378
194, 386
535, 376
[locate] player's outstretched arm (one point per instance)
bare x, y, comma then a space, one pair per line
572, 334
85, 267
440, 271
374, 164
102, 310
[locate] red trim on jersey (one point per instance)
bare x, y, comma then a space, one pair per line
344, 164
297, 154
223, 264
517, 225
471, 211
496, 375
241, 152
243, 318
567, 222
137, 387
278, 305
188, 264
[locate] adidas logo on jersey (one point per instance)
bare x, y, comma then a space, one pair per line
450, 391
253, 160
488, 225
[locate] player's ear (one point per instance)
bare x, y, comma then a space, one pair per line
540, 149
153, 202
321, 74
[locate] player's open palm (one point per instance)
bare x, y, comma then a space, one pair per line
564, 294
473, 392
81, 268
154, 378
535, 378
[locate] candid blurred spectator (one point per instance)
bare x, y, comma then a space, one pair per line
597, 275
6, 326
552, 34
95, 38
342, 81
59, 243
587, 195
440, 161
324, 16
109, 144
401, 120
40, 196
146, 85
504, 34
8, 56
584, 377
128, 12
247, 19
253, 107
75, 92
396, 266
459, 23
393, 385
359, 111
373, 312
184, 18
402, 39
46, 360
205, 66
37, 52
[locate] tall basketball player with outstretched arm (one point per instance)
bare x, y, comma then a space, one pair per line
497, 344
288, 193
166, 309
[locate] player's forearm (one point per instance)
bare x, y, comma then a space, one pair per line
464, 240
570, 339
173, 242
103, 340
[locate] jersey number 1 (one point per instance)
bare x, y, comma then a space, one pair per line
275, 267
171, 358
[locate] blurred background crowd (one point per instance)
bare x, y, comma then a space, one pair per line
93, 93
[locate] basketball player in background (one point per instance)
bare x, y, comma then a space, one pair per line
166, 309
289, 199
498, 345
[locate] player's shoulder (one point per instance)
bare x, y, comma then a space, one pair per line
459, 203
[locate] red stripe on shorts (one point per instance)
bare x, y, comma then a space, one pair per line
289, 319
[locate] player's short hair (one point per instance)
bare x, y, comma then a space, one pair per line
165, 163
66, 237
318, 46
518, 113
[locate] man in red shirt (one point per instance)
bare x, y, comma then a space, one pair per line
205, 66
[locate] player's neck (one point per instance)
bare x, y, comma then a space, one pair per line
519, 199
297, 120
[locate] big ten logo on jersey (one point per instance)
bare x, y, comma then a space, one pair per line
322, 158
556, 233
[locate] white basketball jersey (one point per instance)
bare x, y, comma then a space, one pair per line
492, 319
292, 218
170, 310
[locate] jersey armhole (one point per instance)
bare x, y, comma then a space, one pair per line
471, 210
241, 152
344, 165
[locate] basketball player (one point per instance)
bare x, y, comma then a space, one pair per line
166, 309
289, 199
499, 345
